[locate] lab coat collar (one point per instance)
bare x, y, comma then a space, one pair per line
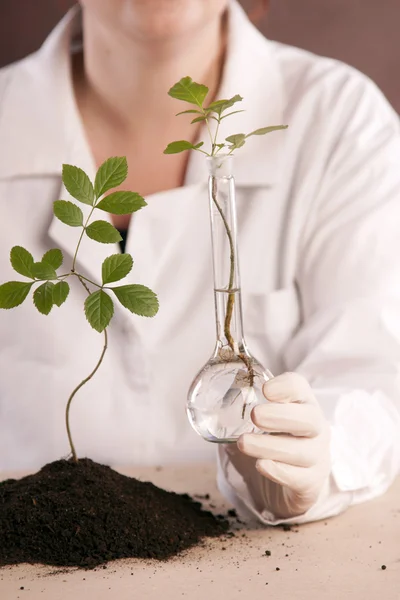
39, 108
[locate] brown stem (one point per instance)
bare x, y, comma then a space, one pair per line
82, 383
231, 296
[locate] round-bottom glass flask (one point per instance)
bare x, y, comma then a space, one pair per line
226, 389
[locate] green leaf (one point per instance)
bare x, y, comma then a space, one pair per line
43, 270
104, 232
22, 261
122, 203
13, 293
54, 258
78, 184
265, 130
237, 137
116, 267
188, 112
60, 292
237, 140
181, 146
189, 91
111, 173
219, 106
99, 309
68, 213
43, 297
198, 119
138, 299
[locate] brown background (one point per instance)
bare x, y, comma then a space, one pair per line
364, 33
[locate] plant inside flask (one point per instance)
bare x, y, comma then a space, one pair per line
227, 388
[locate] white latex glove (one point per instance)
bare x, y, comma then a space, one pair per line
285, 471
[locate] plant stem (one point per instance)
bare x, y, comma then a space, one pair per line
231, 293
82, 280
63, 277
82, 383
80, 239
211, 138
88, 280
216, 134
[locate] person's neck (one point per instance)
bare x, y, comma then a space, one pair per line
123, 78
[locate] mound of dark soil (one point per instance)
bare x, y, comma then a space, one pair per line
84, 514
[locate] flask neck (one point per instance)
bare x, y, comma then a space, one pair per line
228, 306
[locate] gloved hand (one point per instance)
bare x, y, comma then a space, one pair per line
286, 470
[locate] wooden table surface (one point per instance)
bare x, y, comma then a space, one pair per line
338, 559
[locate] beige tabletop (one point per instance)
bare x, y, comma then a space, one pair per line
331, 560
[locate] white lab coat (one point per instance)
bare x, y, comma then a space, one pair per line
319, 241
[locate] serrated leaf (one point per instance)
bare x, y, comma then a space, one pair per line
219, 106
53, 257
60, 293
78, 184
67, 212
188, 90
22, 261
179, 146
43, 270
116, 267
122, 203
139, 299
13, 293
265, 130
99, 309
43, 297
103, 232
111, 174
